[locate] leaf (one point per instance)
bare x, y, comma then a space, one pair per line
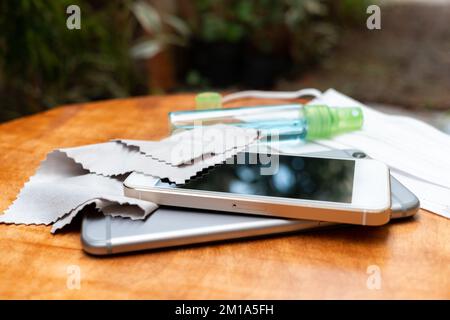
146, 49
147, 16
315, 7
165, 39
179, 25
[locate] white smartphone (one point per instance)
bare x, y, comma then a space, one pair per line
355, 191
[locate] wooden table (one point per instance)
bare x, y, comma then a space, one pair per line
413, 256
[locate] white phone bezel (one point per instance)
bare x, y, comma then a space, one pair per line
370, 201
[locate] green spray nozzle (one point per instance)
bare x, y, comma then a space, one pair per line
323, 122
208, 100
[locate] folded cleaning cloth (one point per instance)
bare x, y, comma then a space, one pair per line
70, 179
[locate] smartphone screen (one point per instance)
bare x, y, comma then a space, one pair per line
285, 176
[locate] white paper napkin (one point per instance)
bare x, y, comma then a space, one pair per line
416, 153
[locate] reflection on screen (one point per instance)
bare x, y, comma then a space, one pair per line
295, 177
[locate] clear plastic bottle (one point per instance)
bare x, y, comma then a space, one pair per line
307, 122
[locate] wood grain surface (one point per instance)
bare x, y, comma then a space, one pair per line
413, 256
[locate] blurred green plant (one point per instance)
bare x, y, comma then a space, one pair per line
312, 26
313, 33
162, 30
43, 64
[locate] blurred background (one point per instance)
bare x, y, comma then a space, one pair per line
141, 47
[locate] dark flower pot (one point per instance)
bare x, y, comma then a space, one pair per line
219, 62
261, 70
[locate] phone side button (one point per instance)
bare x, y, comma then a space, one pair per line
248, 209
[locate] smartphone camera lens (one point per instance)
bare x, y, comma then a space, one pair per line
359, 155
